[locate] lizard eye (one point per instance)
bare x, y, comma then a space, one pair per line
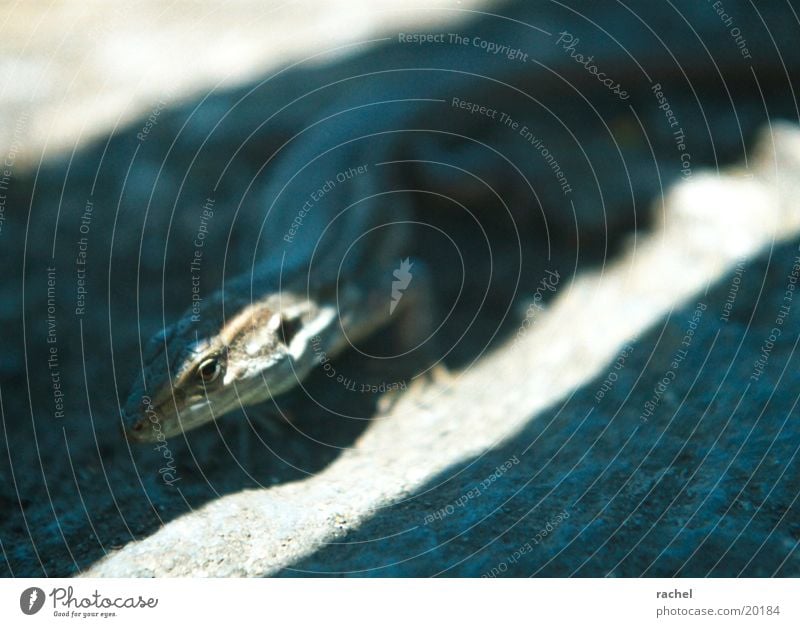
288, 328
209, 370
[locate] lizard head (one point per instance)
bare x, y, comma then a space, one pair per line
196, 373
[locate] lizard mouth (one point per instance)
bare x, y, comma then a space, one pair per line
149, 424
136, 432
147, 427
155, 424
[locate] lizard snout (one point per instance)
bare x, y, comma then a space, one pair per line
137, 431
141, 420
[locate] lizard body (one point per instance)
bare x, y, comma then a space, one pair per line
322, 270
330, 237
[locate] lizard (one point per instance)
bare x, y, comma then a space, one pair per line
323, 282
329, 284
321, 279
263, 350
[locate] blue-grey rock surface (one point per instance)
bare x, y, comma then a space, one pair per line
622, 381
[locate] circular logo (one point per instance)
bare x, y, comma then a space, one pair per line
31, 600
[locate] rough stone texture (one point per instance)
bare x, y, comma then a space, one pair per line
706, 485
